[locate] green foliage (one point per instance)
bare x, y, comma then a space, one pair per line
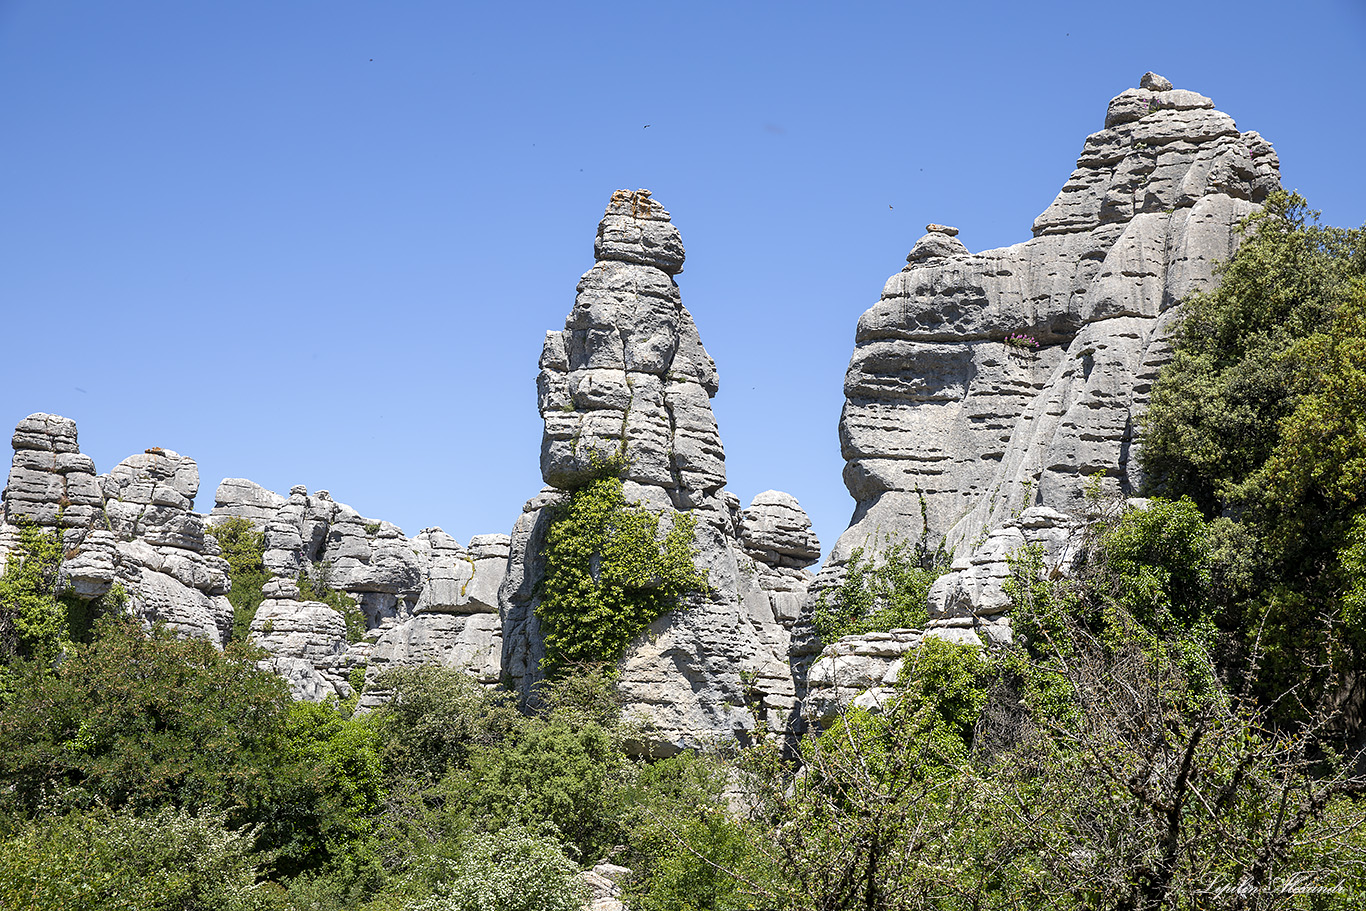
608, 576
141, 721
1260, 419
512, 870
434, 718
167, 861
37, 622
883, 591
546, 772
688, 849
243, 547
315, 586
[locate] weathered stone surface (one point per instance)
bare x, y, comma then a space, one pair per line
628, 375
307, 645
776, 531
604, 882
861, 671
942, 413
628, 378
132, 527
50, 482
973, 586
472, 642
240, 498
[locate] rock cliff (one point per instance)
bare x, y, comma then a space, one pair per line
418, 600
628, 378
987, 390
985, 383
134, 527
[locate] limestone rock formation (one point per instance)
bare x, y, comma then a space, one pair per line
985, 383
861, 671
134, 527
456, 621
306, 642
628, 379
425, 600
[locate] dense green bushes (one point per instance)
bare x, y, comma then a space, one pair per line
882, 591
243, 547
607, 574
1261, 420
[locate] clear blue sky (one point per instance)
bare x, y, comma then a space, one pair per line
320, 243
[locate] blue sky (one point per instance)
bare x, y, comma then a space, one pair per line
320, 243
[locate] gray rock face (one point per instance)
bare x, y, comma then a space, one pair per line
50, 482
426, 599
628, 375
861, 671
243, 499
944, 409
973, 585
307, 644
134, 527
776, 531
628, 378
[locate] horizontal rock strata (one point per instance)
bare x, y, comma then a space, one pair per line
628, 379
985, 383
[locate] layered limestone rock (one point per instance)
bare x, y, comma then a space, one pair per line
456, 621
627, 379
988, 390
862, 671
134, 527
425, 600
985, 383
307, 643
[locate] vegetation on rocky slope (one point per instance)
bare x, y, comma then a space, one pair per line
1175, 727
608, 576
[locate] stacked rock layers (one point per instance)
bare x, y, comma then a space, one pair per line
134, 527
628, 380
982, 384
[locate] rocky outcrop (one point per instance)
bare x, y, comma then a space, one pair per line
628, 380
424, 600
988, 390
456, 621
307, 643
862, 671
985, 383
134, 527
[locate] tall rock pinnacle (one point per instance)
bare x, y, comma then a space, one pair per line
628, 375
628, 378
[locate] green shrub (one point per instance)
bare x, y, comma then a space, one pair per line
608, 576
168, 861
883, 591
512, 870
143, 721
243, 547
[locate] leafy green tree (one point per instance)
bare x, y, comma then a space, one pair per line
688, 849
1259, 419
143, 721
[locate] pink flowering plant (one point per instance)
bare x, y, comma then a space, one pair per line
1020, 340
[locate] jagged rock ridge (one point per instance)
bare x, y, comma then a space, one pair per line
987, 390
